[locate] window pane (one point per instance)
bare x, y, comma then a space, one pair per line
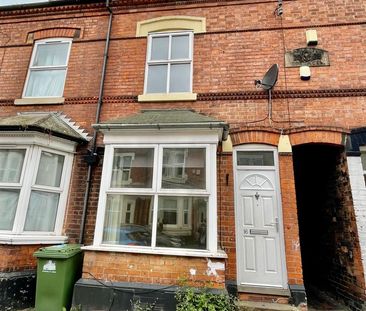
159, 48
254, 158
157, 79
132, 168
184, 168
8, 207
180, 78
50, 169
11, 164
52, 54
182, 222
128, 220
180, 47
42, 211
45, 83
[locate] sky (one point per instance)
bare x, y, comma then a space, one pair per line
14, 2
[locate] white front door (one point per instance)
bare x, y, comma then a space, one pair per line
258, 219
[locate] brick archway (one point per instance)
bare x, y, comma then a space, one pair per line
298, 136
55, 32
321, 135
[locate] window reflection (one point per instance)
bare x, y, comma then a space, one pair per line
182, 222
128, 220
132, 168
184, 168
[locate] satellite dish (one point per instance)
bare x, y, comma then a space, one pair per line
270, 78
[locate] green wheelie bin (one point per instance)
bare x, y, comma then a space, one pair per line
58, 268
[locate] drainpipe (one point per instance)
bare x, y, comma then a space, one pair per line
91, 159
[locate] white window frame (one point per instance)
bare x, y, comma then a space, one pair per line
34, 147
46, 68
168, 62
187, 139
363, 154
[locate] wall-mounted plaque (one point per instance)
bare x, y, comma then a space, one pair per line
311, 57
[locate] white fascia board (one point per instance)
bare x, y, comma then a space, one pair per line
163, 136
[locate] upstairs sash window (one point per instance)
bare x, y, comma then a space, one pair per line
48, 68
169, 63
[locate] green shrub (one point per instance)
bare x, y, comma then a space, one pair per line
191, 300
137, 305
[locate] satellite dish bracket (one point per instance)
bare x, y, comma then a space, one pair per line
267, 83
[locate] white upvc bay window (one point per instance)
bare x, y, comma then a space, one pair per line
34, 182
48, 67
169, 204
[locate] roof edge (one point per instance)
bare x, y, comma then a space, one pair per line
34, 128
44, 4
197, 125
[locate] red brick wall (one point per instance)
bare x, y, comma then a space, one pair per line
226, 212
17, 257
290, 222
223, 61
242, 41
153, 269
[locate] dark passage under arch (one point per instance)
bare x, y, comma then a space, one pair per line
328, 232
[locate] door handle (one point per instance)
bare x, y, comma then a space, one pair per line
276, 224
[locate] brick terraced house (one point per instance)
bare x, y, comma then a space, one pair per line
148, 131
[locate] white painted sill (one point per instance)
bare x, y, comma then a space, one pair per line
156, 251
10, 239
163, 97
39, 101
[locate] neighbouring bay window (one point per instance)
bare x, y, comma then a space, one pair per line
47, 69
33, 189
165, 203
169, 63
363, 160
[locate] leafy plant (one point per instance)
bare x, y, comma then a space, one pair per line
189, 299
137, 305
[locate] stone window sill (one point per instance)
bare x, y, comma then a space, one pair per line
162, 97
156, 251
40, 101
10, 239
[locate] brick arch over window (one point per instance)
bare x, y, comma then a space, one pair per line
323, 135
255, 136
60, 32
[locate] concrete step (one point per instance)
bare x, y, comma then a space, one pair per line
264, 306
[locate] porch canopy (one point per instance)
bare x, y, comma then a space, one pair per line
166, 119
51, 123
